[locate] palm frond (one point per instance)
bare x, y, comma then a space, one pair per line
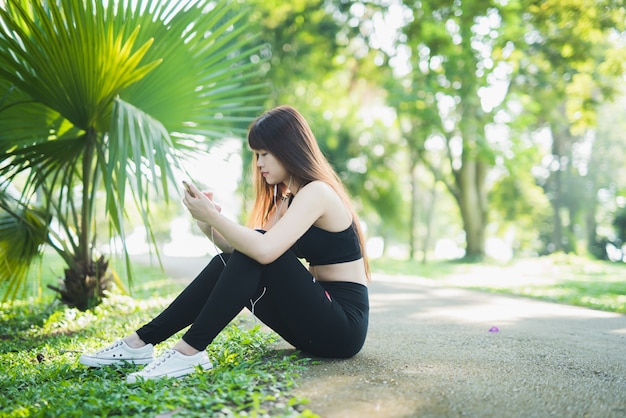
102, 96
24, 121
44, 161
23, 231
63, 56
206, 84
138, 138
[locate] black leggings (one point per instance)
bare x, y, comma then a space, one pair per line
327, 319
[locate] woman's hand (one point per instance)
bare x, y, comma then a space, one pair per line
205, 226
201, 206
210, 196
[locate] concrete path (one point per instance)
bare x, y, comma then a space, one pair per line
430, 353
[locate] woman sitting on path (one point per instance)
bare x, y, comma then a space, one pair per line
302, 211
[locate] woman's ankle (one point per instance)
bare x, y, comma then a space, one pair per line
182, 347
133, 341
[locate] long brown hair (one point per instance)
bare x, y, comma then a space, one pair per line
284, 133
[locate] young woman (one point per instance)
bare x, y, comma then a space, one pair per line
301, 211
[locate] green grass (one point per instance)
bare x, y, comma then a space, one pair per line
561, 278
40, 342
432, 269
607, 295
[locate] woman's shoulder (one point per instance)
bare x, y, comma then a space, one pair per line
321, 194
333, 215
318, 191
317, 187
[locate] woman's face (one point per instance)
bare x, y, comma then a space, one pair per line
271, 169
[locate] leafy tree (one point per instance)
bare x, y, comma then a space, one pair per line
606, 179
461, 50
413, 96
517, 200
564, 66
299, 40
453, 50
99, 98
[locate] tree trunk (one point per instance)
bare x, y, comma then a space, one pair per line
429, 211
555, 200
86, 279
472, 200
414, 204
560, 144
85, 286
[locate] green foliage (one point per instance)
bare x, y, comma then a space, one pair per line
607, 176
103, 100
40, 375
22, 234
365, 154
620, 224
455, 58
517, 202
299, 41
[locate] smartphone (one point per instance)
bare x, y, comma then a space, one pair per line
188, 189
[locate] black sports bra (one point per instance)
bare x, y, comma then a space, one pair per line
320, 247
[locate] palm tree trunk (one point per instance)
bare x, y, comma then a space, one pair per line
86, 279
85, 219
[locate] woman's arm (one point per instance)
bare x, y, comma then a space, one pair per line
309, 205
216, 237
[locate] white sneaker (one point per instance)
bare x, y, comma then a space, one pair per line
119, 352
171, 364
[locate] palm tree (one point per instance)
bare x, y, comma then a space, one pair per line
103, 97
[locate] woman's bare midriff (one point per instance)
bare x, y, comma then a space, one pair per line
351, 271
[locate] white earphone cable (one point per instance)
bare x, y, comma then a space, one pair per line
279, 209
253, 303
219, 252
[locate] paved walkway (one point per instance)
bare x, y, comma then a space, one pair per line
430, 353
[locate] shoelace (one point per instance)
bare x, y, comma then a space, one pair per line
111, 347
162, 358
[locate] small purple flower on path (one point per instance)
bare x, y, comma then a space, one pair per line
494, 329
